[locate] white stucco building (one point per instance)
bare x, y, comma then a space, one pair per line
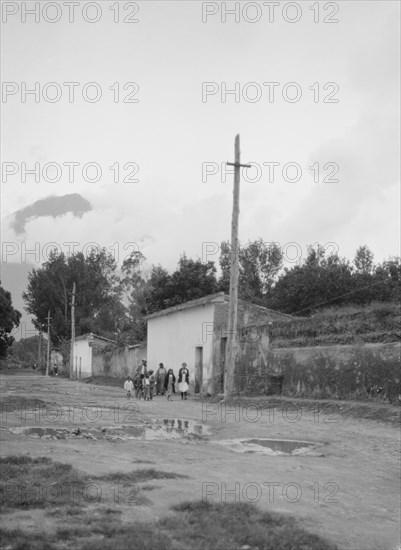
195, 332
83, 353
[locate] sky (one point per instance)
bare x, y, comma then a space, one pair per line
335, 107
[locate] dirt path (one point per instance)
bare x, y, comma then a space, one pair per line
348, 492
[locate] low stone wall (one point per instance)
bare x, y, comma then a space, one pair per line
119, 363
336, 372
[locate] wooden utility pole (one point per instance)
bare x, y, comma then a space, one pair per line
233, 303
72, 332
40, 351
48, 344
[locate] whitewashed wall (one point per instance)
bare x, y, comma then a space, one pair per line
172, 339
82, 359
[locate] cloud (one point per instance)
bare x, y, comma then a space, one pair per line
50, 206
366, 154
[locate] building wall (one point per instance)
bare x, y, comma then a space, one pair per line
121, 362
82, 359
172, 339
252, 339
248, 314
341, 371
358, 371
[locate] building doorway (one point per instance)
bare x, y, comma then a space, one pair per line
198, 369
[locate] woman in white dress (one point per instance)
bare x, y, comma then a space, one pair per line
183, 380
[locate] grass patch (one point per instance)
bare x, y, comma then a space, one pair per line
139, 476
41, 483
19, 540
194, 526
37, 483
140, 536
207, 526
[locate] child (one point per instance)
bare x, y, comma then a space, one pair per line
169, 384
146, 387
138, 386
152, 383
128, 386
183, 379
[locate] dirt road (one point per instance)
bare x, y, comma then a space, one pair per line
346, 490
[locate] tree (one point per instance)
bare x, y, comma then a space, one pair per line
9, 319
191, 280
363, 260
387, 278
259, 265
135, 289
98, 291
159, 291
48, 288
319, 281
26, 350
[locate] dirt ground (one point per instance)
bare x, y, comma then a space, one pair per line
347, 491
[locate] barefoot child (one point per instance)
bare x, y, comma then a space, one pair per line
146, 387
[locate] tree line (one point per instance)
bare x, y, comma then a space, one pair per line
114, 301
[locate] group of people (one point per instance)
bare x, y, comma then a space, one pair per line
146, 383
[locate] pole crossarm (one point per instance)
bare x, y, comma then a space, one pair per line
238, 165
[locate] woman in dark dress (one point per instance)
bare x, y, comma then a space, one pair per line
169, 384
160, 377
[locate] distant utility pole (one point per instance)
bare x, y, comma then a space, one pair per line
40, 350
233, 303
48, 343
72, 332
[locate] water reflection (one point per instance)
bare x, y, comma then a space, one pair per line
165, 429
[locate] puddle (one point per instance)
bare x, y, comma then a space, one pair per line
171, 429
272, 447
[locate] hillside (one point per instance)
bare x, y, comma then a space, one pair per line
378, 322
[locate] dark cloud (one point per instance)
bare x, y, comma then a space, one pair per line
50, 206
